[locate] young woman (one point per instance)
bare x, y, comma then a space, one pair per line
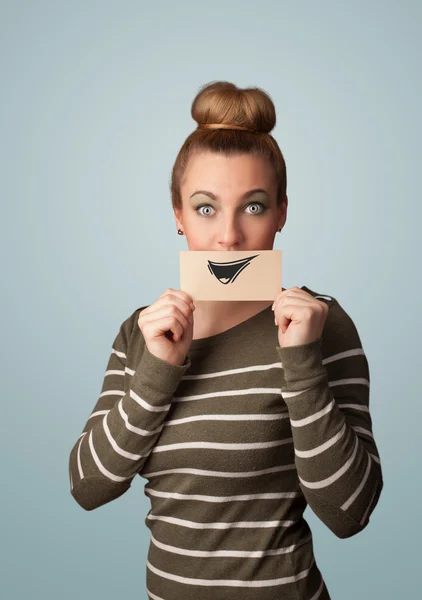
238, 414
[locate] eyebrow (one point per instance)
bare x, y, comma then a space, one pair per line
243, 197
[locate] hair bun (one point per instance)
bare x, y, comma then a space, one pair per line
223, 102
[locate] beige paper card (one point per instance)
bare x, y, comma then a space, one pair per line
231, 275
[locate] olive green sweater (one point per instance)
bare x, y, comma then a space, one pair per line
234, 444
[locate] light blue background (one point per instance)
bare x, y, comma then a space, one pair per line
95, 104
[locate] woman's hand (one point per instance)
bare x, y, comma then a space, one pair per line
300, 317
167, 326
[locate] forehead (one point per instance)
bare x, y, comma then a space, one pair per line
219, 171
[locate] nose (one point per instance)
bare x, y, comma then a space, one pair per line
230, 236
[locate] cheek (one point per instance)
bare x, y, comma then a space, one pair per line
197, 236
265, 239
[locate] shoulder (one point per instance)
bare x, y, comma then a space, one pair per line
326, 298
340, 332
340, 329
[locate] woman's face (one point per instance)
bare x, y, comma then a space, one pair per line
220, 210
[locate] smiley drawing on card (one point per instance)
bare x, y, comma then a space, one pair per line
231, 275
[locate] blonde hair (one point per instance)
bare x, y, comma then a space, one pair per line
221, 102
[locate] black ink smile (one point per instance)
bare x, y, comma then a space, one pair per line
228, 271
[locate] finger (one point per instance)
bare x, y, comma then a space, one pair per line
169, 300
297, 292
169, 311
287, 313
176, 300
298, 300
181, 294
282, 322
157, 327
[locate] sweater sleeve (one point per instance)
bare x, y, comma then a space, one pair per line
123, 427
326, 391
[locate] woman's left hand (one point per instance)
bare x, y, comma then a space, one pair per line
300, 317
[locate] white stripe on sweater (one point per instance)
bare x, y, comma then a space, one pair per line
115, 446
355, 494
322, 447
314, 417
206, 498
231, 582
131, 427
362, 430
319, 590
349, 381
240, 392
365, 516
221, 524
114, 372
230, 553
100, 466
276, 365
112, 393
223, 417
314, 485
341, 355
81, 473
228, 474
354, 406
146, 405
222, 445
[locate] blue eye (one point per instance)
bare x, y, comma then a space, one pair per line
202, 206
255, 212
258, 204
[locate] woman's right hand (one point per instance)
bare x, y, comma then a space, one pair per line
167, 326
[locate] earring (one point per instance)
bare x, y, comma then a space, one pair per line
180, 232
280, 229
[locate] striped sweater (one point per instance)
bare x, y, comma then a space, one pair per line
233, 445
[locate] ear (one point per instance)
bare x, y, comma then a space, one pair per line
178, 218
282, 212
